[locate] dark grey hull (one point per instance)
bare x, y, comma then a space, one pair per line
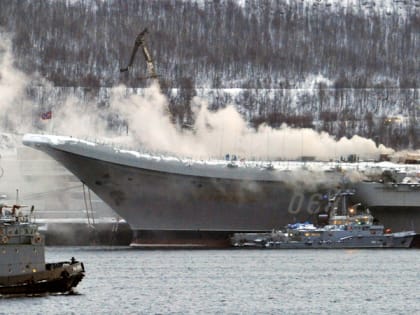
154, 200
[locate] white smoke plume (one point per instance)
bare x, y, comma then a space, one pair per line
214, 134
12, 89
226, 132
78, 119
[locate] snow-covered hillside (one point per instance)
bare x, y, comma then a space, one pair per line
344, 67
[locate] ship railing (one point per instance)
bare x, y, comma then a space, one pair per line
6, 218
14, 218
346, 238
404, 233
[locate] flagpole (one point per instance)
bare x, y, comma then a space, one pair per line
52, 122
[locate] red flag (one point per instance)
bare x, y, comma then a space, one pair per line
46, 115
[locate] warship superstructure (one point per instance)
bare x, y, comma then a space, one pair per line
173, 201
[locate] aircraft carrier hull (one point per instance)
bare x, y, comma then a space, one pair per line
167, 201
175, 202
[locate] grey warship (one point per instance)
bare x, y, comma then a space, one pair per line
171, 201
23, 270
351, 229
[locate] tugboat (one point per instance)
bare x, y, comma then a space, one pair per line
349, 230
23, 269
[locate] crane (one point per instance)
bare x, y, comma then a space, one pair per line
140, 41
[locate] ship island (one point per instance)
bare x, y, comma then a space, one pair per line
175, 202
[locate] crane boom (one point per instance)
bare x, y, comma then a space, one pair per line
140, 41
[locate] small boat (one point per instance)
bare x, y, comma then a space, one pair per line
348, 230
23, 269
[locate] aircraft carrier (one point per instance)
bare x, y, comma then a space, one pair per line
168, 201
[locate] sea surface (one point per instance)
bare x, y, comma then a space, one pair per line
122, 280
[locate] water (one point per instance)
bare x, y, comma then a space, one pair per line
122, 280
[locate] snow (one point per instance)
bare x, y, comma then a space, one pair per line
53, 139
316, 166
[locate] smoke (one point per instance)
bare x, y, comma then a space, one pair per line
214, 134
79, 119
12, 89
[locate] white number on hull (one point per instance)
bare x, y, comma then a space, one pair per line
297, 200
314, 204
